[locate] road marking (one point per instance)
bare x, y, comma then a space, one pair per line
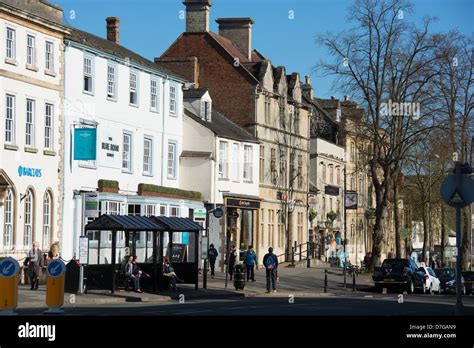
369, 296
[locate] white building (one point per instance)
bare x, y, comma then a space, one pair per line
219, 159
136, 108
31, 92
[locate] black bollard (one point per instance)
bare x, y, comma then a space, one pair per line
353, 281
344, 273
325, 280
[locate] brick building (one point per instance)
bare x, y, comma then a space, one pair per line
245, 86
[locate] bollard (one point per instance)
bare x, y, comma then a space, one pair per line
9, 269
308, 263
55, 287
344, 273
325, 280
353, 281
300, 251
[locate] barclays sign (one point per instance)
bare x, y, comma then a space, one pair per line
32, 172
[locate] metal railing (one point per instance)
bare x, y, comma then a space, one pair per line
304, 251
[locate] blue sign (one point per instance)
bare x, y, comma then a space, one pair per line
458, 191
26, 171
9, 267
56, 268
85, 144
218, 213
185, 238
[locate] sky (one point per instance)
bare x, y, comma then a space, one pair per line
284, 30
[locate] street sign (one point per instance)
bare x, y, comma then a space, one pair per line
218, 213
83, 250
9, 267
91, 205
200, 215
458, 190
56, 269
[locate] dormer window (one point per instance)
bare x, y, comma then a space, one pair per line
206, 110
338, 115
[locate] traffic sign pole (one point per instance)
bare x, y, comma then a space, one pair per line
459, 305
55, 287
9, 269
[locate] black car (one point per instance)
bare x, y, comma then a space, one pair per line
398, 273
447, 279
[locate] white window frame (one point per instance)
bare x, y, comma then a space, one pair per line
49, 127
49, 56
88, 72
10, 119
111, 82
248, 163
47, 218
176, 209
206, 110
154, 94
28, 219
173, 98
172, 175
128, 168
10, 43
117, 211
133, 87
8, 219
31, 51
148, 171
30, 123
235, 162
223, 166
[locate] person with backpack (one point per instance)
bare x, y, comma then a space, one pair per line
212, 254
270, 261
250, 260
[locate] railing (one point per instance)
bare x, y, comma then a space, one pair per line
297, 252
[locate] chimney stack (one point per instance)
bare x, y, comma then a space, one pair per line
197, 15
239, 31
307, 88
113, 29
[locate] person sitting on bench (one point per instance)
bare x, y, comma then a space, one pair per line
168, 271
132, 272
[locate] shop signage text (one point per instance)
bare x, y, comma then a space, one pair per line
33, 172
241, 203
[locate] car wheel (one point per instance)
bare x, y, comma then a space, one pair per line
410, 287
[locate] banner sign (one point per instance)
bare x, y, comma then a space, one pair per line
85, 144
351, 200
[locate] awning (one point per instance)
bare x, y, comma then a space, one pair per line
177, 224
124, 223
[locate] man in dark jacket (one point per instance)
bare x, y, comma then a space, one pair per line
35, 262
270, 261
212, 254
232, 258
133, 273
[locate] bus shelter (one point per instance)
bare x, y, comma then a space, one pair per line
163, 230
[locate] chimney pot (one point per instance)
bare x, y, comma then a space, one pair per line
307, 79
113, 29
346, 98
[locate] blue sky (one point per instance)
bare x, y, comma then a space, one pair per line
150, 26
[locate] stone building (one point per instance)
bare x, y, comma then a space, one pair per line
246, 87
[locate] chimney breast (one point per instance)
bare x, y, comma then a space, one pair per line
239, 31
197, 15
307, 88
113, 29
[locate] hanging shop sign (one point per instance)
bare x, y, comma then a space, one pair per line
331, 190
85, 144
242, 203
351, 200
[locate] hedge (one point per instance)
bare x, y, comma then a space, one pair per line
168, 190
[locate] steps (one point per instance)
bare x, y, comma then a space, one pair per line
303, 264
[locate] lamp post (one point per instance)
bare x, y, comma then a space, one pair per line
353, 237
431, 239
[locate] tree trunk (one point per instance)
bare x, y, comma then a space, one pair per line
443, 232
396, 217
381, 196
426, 233
466, 239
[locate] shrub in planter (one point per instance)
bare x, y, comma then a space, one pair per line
150, 190
108, 185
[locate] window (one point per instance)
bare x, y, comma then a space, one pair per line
154, 95
323, 168
300, 228
113, 208
133, 89
297, 120
126, 152
353, 156
173, 99
206, 110
11, 44
353, 183
292, 168
282, 114
28, 218
134, 210
8, 220
331, 173
262, 163
267, 111
300, 171
248, 163
273, 165
163, 210
49, 59
48, 126
88, 82
235, 162
171, 160
262, 224
338, 170
147, 156
30, 123
150, 210
30, 50
47, 219
10, 119
271, 227
282, 165
223, 160
174, 211
111, 81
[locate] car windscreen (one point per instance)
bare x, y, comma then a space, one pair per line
445, 272
395, 263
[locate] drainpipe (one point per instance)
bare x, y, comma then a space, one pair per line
65, 129
163, 167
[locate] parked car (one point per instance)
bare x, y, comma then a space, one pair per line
431, 282
447, 278
398, 273
468, 281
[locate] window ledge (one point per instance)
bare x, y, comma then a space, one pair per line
11, 61
248, 182
134, 105
223, 179
148, 174
127, 171
86, 166
171, 178
49, 153
31, 67
10, 147
114, 99
50, 73
156, 111
31, 149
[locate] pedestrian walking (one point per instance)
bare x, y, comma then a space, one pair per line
250, 260
212, 254
34, 261
270, 261
232, 257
